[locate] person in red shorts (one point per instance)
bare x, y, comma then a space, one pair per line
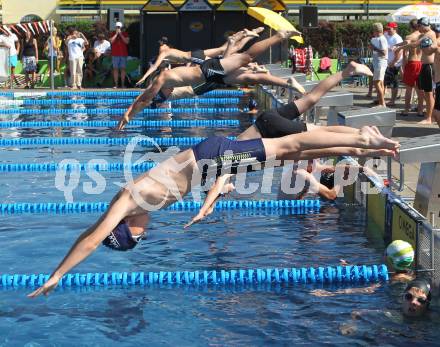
119, 40
412, 65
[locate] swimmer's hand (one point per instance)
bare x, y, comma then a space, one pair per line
123, 122
208, 207
195, 220
46, 288
142, 80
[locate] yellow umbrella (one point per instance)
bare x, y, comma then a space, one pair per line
272, 20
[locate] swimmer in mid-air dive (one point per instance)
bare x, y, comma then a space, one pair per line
211, 71
233, 44
280, 122
124, 223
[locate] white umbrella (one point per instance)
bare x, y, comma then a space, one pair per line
422, 9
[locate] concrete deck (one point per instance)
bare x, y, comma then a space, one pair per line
406, 127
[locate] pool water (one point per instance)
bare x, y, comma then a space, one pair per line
173, 315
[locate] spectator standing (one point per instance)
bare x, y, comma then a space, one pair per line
54, 53
76, 44
379, 46
394, 61
14, 48
29, 56
119, 40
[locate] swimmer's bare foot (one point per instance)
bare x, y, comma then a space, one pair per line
373, 140
377, 153
356, 69
285, 34
259, 69
293, 83
258, 30
425, 121
250, 33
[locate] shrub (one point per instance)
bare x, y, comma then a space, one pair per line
330, 37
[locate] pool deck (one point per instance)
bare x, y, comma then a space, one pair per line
406, 127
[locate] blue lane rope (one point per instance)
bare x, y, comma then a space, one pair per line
321, 275
161, 141
89, 207
100, 94
185, 101
134, 123
54, 166
121, 111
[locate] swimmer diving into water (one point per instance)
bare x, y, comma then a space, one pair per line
123, 224
210, 71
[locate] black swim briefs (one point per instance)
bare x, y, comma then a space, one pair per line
198, 56
213, 71
270, 124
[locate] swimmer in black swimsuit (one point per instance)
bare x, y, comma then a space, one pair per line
176, 176
232, 45
211, 71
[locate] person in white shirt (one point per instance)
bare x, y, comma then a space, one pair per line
394, 61
102, 46
76, 43
14, 48
379, 46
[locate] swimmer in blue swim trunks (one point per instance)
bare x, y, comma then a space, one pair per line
211, 71
124, 223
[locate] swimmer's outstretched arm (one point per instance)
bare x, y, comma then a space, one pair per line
368, 290
220, 187
87, 243
137, 106
161, 57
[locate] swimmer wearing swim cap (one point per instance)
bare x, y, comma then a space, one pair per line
416, 298
399, 256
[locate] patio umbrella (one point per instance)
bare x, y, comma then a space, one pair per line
272, 20
422, 9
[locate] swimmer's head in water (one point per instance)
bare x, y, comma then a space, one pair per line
416, 298
328, 179
400, 255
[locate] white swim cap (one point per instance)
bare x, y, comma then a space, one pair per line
400, 254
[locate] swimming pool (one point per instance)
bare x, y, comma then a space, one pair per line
186, 315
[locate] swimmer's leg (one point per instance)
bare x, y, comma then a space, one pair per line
235, 61
311, 99
291, 147
240, 77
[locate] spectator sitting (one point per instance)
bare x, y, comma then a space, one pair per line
119, 40
101, 46
90, 70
